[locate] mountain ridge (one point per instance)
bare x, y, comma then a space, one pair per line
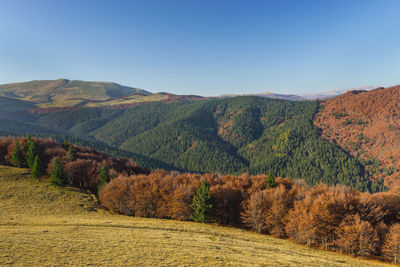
302, 97
253, 134
64, 92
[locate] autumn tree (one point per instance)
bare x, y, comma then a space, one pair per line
17, 159
281, 200
254, 211
299, 222
82, 173
203, 204
391, 247
357, 237
118, 196
57, 174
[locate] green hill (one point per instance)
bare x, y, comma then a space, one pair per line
232, 135
63, 92
41, 225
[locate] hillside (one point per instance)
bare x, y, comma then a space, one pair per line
367, 125
41, 225
23, 100
188, 133
64, 93
232, 135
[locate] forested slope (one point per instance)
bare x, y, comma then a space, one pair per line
233, 135
366, 124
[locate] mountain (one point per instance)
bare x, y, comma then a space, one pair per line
231, 135
311, 96
367, 125
336, 92
253, 134
267, 94
279, 96
63, 92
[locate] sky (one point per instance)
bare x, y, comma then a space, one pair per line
204, 47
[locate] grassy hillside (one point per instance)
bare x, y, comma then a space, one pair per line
42, 225
234, 135
63, 93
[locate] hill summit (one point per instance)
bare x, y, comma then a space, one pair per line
63, 92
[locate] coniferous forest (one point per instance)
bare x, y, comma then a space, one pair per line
238, 135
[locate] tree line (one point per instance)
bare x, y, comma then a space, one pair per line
331, 217
66, 164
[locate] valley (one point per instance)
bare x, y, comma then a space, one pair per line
200, 133
319, 141
231, 135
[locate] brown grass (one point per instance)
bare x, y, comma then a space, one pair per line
41, 225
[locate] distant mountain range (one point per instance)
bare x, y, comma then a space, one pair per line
70, 93
311, 96
332, 93
232, 134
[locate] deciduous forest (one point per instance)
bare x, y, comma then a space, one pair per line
331, 217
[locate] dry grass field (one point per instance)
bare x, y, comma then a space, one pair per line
45, 226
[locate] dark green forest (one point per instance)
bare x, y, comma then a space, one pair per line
233, 135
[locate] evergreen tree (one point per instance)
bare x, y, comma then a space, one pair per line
16, 158
270, 181
103, 177
27, 142
71, 153
203, 204
31, 153
37, 168
57, 174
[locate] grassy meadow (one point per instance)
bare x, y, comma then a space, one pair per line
41, 225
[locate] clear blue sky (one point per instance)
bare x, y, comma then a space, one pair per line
204, 47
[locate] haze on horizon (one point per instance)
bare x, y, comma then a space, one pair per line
204, 47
